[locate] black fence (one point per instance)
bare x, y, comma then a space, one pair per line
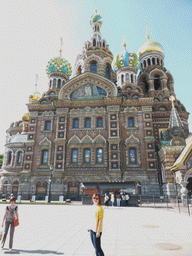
180, 205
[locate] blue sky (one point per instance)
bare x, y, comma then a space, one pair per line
32, 29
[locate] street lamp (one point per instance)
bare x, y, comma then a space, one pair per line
50, 181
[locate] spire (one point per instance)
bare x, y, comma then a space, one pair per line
175, 120
61, 47
147, 33
36, 80
124, 41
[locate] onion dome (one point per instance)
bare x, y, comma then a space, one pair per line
150, 46
35, 96
59, 64
96, 18
125, 59
25, 117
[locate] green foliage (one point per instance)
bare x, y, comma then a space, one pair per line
1, 160
117, 63
135, 60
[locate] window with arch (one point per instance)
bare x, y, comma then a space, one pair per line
9, 157
87, 122
59, 83
19, 158
45, 154
79, 70
144, 63
148, 62
94, 67
76, 123
74, 154
99, 122
132, 78
5, 183
50, 84
104, 44
87, 155
122, 79
48, 125
94, 42
130, 122
107, 72
157, 61
132, 155
157, 83
153, 61
99, 155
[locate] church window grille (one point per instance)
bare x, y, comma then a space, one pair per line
131, 122
74, 156
59, 83
94, 67
107, 72
9, 158
122, 79
99, 122
99, 155
19, 158
132, 155
48, 125
87, 155
87, 122
45, 155
76, 123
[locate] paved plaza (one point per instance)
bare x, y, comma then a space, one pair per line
62, 230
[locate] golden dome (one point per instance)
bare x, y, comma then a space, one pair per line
35, 96
25, 117
149, 46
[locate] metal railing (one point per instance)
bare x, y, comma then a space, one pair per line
180, 205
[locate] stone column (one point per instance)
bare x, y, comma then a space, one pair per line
164, 86
184, 192
151, 87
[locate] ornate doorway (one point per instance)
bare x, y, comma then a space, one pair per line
41, 190
15, 188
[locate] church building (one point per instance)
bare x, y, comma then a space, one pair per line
114, 125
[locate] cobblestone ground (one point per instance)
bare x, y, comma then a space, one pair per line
61, 230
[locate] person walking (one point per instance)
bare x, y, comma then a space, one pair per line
118, 199
123, 200
127, 199
97, 224
11, 212
112, 199
106, 201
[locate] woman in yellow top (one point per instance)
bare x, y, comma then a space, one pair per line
97, 226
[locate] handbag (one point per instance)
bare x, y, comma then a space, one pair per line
15, 221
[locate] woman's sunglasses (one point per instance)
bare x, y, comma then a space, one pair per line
96, 198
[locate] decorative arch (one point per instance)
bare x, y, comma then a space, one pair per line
188, 175
99, 139
132, 143
74, 140
132, 140
92, 58
157, 72
87, 140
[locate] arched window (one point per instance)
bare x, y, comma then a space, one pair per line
47, 125
104, 44
9, 157
87, 155
122, 79
59, 83
94, 42
45, 154
99, 155
76, 123
54, 82
127, 78
107, 71
153, 61
131, 122
5, 187
148, 62
94, 67
157, 61
132, 78
87, 122
19, 158
157, 83
74, 156
144, 63
99, 122
161, 62
132, 155
141, 66
50, 84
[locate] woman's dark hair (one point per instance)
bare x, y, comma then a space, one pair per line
12, 199
96, 195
